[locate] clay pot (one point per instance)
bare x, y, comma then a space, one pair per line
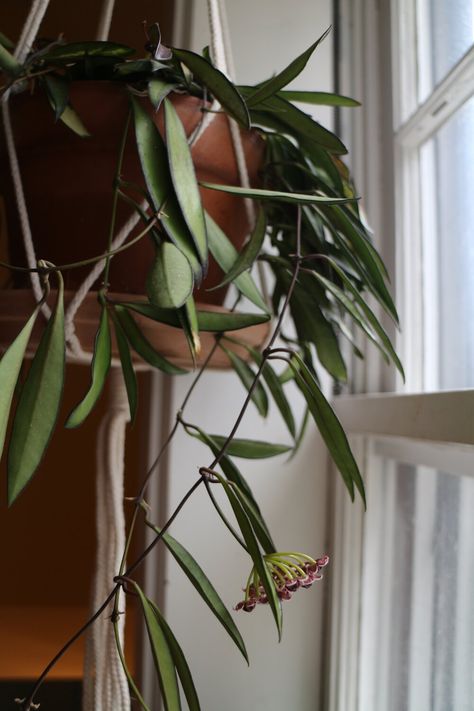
68, 181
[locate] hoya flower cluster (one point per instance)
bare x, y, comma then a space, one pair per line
289, 572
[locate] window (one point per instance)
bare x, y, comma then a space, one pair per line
402, 617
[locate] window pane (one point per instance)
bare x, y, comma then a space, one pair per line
445, 33
447, 190
423, 563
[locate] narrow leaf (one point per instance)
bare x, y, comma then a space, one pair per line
159, 90
247, 377
226, 256
189, 323
260, 194
184, 180
330, 428
217, 83
10, 366
128, 371
250, 252
255, 518
170, 279
58, 96
251, 448
99, 369
142, 346
276, 389
38, 407
162, 656
255, 553
203, 585
180, 662
319, 98
286, 76
217, 321
155, 169
79, 50
8, 63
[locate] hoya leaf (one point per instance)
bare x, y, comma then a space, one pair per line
38, 407
217, 321
249, 253
155, 169
8, 63
258, 524
217, 83
261, 194
58, 96
159, 90
286, 76
276, 389
251, 448
330, 428
247, 377
138, 66
184, 180
162, 656
170, 279
99, 369
204, 587
180, 662
142, 346
79, 50
128, 371
318, 98
10, 366
226, 256
255, 553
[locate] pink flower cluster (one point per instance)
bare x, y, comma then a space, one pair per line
289, 572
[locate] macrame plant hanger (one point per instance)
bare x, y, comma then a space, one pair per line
105, 685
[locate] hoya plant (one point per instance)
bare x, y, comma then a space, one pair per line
307, 233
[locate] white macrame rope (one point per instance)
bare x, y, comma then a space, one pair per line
30, 29
105, 684
105, 22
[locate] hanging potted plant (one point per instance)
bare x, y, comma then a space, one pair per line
168, 145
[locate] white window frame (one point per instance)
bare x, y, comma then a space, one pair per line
415, 427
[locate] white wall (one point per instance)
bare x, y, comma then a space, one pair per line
266, 35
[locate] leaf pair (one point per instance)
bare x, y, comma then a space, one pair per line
40, 396
329, 426
216, 321
168, 658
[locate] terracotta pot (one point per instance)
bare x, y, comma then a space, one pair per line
68, 181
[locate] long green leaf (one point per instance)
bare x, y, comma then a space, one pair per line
247, 377
128, 371
258, 524
319, 98
184, 179
251, 448
162, 656
249, 254
38, 407
8, 63
170, 279
10, 366
203, 585
313, 327
159, 90
276, 389
371, 317
330, 428
99, 369
298, 124
58, 95
79, 50
286, 76
226, 255
216, 321
180, 662
217, 83
142, 346
260, 194
255, 553
155, 169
